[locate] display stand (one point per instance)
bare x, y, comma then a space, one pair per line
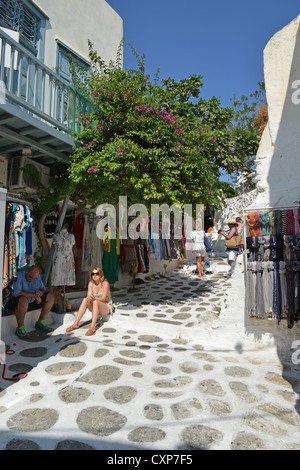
272, 280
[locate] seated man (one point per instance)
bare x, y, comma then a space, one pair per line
30, 294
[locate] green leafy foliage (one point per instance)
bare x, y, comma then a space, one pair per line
154, 141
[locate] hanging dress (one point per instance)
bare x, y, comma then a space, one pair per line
110, 259
63, 268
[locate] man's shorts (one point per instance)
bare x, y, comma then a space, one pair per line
13, 303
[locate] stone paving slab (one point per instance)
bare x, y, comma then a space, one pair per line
163, 373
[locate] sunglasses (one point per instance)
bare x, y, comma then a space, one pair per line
95, 274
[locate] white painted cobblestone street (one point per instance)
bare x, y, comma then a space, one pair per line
174, 369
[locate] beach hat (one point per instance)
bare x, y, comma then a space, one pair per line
232, 221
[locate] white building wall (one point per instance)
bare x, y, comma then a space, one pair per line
74, 22
278, 161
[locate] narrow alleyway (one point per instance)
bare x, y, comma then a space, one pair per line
163, 373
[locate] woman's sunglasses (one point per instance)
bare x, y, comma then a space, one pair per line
95, 274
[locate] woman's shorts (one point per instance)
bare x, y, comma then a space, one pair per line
232, 255
200, 253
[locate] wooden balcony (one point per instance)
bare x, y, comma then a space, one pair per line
33, 94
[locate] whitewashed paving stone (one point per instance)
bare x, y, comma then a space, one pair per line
247, 441
146, 434
22, 444
205, 357
280, 380
219, 408
149, 338
200, 437
153, 412
126, 362
188, 367
186, 409
101, 352
236, 371
260, 423
100, 421
30, 420
101, 375
74, 394
132, 354
34, 352
36, 397
65, 368
164, 359
173, 383
73, 445
161, 370
73, 350
122, 394
241, 391
211, 387
283, 414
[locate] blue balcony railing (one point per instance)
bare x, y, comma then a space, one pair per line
34, 87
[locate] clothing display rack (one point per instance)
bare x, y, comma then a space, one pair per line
272, 262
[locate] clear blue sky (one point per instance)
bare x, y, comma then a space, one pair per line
221, 40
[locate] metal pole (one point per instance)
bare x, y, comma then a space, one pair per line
57, 230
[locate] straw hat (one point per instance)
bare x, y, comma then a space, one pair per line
232, 221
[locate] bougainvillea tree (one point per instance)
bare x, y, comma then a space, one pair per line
154, 141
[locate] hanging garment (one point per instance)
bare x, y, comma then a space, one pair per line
279, 247
283, 287
288, 248
265, 287
296, 269
28, 231
78, 230
259, 293
273, 248
271, 285
290, 215
278, 222
260, 251
111, 258
266, 248
252, 246
9, 258
271, 215
276, 293
296, 222
251, 223
255, 248
63, 267
258, 226
264, 218
284, 228
128, 258
290, 294
250, 290
296, 247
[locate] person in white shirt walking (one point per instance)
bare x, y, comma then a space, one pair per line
198, 246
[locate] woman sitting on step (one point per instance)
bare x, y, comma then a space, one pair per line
98, 301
